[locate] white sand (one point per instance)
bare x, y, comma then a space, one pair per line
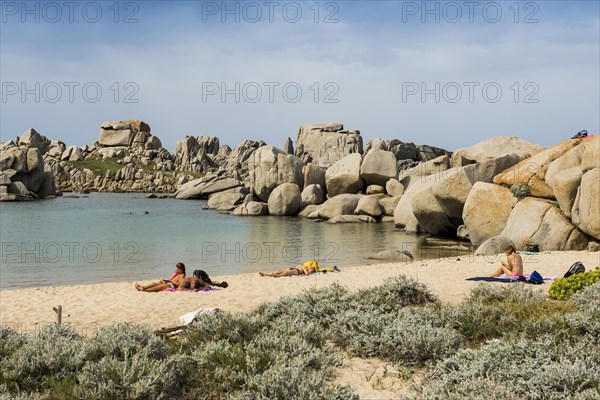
90, 306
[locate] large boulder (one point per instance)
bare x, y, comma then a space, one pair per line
343, 176
228, 199
564, 173
586, 207
378, 167
403, 213
312, 194
285, 199
486, 211
344, 204
388, 205
196, 153
425, 168
344, 219
532, 171
537, 221
205, 186
31, 138
394, 188
368, 205
271, 167
492, 148
314, 175
494, 246
252, 208
327, 142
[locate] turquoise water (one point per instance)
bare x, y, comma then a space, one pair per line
107, 237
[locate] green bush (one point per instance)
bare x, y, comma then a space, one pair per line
520, 190
564, 288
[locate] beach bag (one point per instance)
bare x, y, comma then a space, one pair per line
576, 268
536, 278
581, 135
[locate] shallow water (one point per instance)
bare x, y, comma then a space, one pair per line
107, 237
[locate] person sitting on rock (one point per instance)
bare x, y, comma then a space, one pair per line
513, 267
307, 268
163, 283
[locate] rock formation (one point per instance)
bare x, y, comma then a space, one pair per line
327, 142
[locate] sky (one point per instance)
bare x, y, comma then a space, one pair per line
444, 73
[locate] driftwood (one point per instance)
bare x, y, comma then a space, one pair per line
170, 332
58, 311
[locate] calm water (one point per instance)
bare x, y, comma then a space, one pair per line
105, 237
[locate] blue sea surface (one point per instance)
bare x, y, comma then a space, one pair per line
108, 237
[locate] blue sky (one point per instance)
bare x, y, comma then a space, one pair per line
448, 74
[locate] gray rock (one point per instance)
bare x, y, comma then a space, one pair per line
344, 204
31, 138
18, 188
252, 208
492, 148
343, 176
205, 186
314, 175
375, 189
486, 211
494, 246
389, 204
368, 205
4, 179
312, 194
343, 219
537, 221
228, 199
392, 255
586, 207
378, 167
271, 167
285, 199
424, 168
394, 188
288, 146
308, 210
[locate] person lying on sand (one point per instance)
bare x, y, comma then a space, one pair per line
203, 276
163, 284
307, 268
513, 265
192, 282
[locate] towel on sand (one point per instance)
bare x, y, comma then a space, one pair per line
504, 279
206, 289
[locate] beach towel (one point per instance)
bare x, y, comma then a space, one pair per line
504, 279
207, 289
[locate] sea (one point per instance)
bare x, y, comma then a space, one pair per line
112, 237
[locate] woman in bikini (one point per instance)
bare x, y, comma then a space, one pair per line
163, 284
513, 267
307, 268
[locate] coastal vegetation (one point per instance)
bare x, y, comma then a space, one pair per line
506, 341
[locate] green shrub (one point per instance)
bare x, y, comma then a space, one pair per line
520, 190
564, 288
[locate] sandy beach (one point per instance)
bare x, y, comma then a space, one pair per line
90, 306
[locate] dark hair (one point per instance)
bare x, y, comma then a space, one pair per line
181, 266
511, 248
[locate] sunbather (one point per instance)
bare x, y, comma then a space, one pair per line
307, 268
192, 282
163, 283
203, 276
513, 267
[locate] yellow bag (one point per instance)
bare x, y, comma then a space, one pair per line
312, 264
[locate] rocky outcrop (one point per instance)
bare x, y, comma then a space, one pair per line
343, 176
314, 175
327, 142
494, 147
197, 154
203, 187
271, 167
586, 207
378, 166
23, 173
538, 221
437, 165
532, 171
494, 246
122, 133
486, 211
285, 199
406, 153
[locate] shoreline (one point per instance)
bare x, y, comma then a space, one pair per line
90, 306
